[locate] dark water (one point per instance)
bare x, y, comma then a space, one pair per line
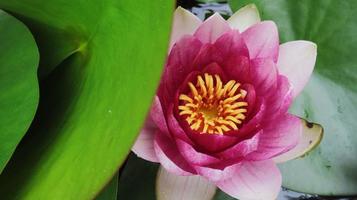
203, 10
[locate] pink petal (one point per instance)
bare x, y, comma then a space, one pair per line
212, 142
264, 75
194, 157
241, 149
215, 175
296, 61
157, 115
178, 66
229, 52
175, 127
279, 137
184, 23
262, 40
169, 156
213, 69
253, 181
212, 28
279, 100
254, 124
144, 145
235, 55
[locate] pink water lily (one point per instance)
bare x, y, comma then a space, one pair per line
221, 110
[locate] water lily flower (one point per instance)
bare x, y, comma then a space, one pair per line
221, 110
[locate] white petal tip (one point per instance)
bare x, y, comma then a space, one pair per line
244, 18
182, 10
172, 187
311, 137
297, 61
184, 23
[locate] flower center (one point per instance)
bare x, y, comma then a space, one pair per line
213, 107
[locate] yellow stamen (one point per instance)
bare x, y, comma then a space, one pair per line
212, 107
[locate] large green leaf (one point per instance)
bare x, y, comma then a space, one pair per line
330, 98
19, 91
93, 104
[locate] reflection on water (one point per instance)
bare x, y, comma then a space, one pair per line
203, 10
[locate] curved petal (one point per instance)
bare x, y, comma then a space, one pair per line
215, 175
194, 157
172, 187
241, 149
253, 181
262, 40
175, 127
278, 138
212, 142
264, 75
169, 156
184, 23
179, 65
212, 28
234, 55
244, 18
157, 115
296, 61
279, 100
144, 145
311, 136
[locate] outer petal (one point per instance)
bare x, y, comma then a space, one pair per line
262, 40
311, 136
296, 61
172, 187
278, 138
253, 181
157, 115
244, 18
184, 23
212, 28
169, 156
144, 145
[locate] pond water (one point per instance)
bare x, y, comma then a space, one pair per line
202, 9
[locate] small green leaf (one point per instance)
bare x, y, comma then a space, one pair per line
19, 91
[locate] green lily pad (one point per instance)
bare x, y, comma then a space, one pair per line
94, 103
330, 98
19, 91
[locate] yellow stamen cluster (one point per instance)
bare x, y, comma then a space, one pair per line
213, 107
